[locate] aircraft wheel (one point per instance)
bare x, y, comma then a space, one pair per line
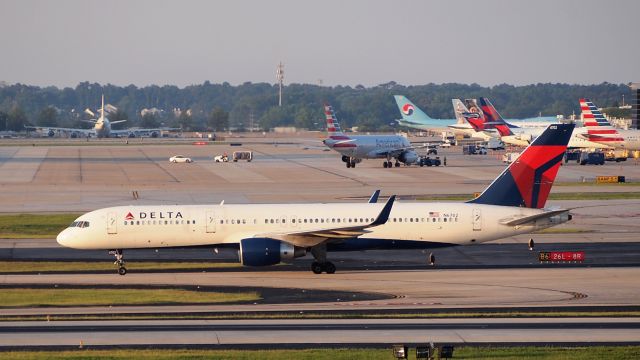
122, 271
397, 164
385, 164
353, 164
329, 268
348, 164
317, 268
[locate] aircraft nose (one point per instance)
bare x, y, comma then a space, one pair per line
64, 238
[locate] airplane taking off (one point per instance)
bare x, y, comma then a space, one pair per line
599, 129
101, 127
492, 122
267, 234
414, 117
354, 148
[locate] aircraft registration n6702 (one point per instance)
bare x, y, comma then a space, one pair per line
267, 234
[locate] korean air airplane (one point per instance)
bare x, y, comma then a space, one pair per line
267, 234
354, 148
599, 130
414, 117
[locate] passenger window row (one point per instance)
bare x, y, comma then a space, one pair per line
160, 222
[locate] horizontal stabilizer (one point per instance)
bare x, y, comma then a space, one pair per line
531, 218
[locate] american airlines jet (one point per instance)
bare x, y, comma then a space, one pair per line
267, 234
599, 130
354, 148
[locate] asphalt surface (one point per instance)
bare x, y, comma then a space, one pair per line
321, 332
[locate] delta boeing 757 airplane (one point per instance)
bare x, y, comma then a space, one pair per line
267, 234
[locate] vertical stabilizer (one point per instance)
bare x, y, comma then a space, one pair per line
333, 126
528, 180
410, 112
598, 127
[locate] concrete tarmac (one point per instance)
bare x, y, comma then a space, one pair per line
364, 332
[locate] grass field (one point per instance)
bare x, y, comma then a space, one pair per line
27, 297
462, 352
34, 225
78, 266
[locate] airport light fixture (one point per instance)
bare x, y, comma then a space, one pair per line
446, 352
400, 351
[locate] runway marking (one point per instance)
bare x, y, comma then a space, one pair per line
311, 167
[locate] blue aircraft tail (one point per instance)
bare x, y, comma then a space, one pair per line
410, 112
528, 180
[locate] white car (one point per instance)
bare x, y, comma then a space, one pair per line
180, 159
221, 158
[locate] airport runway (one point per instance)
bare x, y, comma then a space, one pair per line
363, 332
498, 275
82, 178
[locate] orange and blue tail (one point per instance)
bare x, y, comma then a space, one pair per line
528, 180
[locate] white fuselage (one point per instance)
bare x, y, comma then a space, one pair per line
367, 146
630, 140
524, 136
128, 227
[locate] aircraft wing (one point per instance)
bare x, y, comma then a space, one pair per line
61, 129
398, 151
319, 235
514, 221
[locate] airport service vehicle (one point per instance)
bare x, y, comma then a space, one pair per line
354, 148
599, 129
616, 155
267, 234
180, 159
101, 127
474, 150
510, 157
427, 161
221, 158
242, 155
591, 158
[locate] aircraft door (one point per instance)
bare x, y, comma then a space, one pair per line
112, 223
210, 221
477, 220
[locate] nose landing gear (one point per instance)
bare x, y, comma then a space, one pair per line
119, 261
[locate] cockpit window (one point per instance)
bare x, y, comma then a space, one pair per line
80, 224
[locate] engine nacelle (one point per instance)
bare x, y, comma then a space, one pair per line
408, 157
155, 134
266, 251
345, 158
51, 133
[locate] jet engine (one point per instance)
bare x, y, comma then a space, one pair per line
266, 251
408, 157
51, 133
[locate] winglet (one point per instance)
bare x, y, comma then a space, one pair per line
384, 214
374, 197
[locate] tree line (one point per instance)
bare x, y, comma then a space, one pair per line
211, 106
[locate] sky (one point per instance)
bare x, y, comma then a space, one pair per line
328, 42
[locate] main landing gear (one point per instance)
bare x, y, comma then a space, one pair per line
389, 164
119, 261
321, 264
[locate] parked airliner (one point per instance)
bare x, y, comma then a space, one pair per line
493, 123
101, 127
354, 148
267, 234
599, 130
416, 118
